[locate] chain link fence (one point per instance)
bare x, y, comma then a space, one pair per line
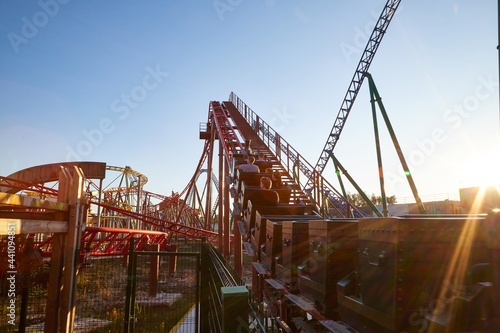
101, 291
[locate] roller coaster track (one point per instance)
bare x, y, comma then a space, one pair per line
11, 185
356, 82
215, 181
110, 240
165, 225
101, 241
226, 131
138, 179
172, 215
295, 164
183, 220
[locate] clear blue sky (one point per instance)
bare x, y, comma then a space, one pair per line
128, 82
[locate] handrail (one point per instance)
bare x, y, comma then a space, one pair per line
216, 272
302, 171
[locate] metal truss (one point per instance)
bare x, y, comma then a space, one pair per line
356, 82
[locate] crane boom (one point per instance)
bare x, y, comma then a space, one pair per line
352, 92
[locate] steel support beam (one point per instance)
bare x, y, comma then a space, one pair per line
376, 98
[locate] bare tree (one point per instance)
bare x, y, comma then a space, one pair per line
357, 200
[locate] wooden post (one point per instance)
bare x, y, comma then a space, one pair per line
56, 264
60, 311
77, 219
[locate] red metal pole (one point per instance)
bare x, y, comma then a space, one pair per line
222, 189
154, 269
238, 267
227, 230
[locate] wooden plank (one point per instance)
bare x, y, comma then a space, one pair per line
31, 202
50, 172
40, 216
23, 227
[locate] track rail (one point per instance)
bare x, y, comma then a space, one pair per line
356, 82
100, 241
295, 164
11, 183
227, 135
165, 225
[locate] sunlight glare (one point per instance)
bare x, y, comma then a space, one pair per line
480, 171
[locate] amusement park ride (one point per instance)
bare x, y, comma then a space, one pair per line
318, 263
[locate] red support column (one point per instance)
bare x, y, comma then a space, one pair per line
227, 213
154, 269
238, 267
222, 190
208, 206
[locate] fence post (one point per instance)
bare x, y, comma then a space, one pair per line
204, 292
235, 309
198, 282
493, 228
128, 297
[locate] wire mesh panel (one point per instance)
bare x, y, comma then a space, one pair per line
101, 290
22, 301
100, 295
23, 285
166, 292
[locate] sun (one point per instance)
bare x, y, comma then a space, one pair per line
480, 171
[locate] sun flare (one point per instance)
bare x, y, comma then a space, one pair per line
480, 171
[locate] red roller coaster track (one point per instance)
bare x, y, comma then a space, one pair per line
231, 122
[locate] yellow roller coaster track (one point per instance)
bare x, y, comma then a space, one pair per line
129, 171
